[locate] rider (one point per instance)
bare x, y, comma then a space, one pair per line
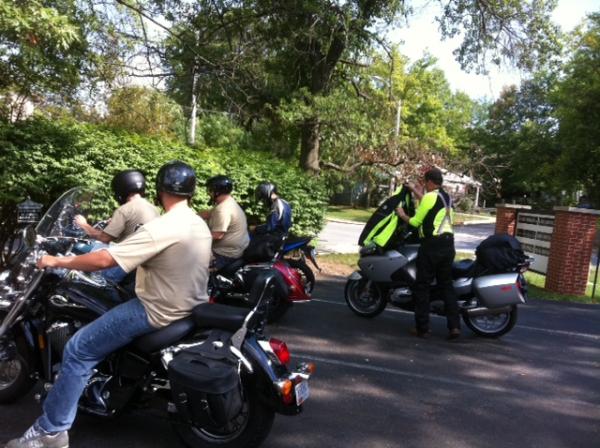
280, 216
436, 253
171, 254
227, 222
129, 188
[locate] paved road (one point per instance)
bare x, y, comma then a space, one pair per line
341, 237
378, 387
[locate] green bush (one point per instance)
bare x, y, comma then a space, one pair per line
43, 158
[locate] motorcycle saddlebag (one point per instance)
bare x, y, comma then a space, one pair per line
495, 291
206, 385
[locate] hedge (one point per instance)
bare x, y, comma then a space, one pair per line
42, 159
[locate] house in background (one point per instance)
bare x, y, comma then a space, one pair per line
461, 185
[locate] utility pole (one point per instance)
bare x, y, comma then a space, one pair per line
194, 109
398, 117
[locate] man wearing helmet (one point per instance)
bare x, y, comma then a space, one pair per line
280, 216
227, 222
129, 187
171, 254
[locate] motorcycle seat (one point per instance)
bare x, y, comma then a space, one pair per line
231, 268
293, 241
223, 317
463, 269
159, 339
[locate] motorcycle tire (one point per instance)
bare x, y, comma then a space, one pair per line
492, 326
279, 306
248, 429
308, 277
372, 305
15, 375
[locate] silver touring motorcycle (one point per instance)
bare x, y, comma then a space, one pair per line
489, 289
214, 373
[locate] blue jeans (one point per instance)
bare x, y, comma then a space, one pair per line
114, 274
220, 261
88, 347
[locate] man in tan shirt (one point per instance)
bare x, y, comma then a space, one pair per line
129, 187
227, 222
172, 254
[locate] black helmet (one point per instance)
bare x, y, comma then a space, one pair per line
263, 192
217, 185
176, 178
126, 183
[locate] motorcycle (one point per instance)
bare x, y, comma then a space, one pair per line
216, 375
487, 302
232, 284
295, 251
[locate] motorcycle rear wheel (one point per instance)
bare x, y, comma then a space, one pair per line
492, 325
15, 375
365, 298
248, 429
308, 277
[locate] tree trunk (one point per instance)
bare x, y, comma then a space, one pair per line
309, 149
194, 110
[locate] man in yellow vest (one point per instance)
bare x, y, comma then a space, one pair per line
433, 218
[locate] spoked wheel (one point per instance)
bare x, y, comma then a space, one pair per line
15, 376
364, 297
248, 429
492, 325
306, 273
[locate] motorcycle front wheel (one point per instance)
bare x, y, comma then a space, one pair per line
248, 429
15, 374
492, 325
365, 298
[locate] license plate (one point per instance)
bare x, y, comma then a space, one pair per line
302, 392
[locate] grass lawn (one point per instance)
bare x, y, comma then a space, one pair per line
344, 264
363, 214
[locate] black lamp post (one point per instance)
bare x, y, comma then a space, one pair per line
29, 212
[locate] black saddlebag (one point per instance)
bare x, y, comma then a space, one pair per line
498, 254
205, 385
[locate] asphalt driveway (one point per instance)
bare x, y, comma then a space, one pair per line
376, 386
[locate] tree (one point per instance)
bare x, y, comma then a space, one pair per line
145, 111
266, 52
577, 99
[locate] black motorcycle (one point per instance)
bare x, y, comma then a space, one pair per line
214, 373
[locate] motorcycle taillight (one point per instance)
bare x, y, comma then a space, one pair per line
280, 349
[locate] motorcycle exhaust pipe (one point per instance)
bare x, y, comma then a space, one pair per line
483, 311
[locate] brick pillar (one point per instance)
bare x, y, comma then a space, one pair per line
571, 249
506, 217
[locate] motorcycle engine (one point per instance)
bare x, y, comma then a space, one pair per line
401, 295
58, 334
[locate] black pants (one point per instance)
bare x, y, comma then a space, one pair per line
434, 261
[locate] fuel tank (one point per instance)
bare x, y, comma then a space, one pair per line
382, 267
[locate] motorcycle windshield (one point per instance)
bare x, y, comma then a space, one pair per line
58, 219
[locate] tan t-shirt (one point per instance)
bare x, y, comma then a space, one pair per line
229, 217
171, 254
129, 217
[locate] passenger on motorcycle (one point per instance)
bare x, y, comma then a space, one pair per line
172, 254
227, 222
433, 218
129, 188
280, 216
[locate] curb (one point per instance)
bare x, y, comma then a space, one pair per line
347, 221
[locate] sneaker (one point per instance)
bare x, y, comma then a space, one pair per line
35, 437
453, 334
420, 334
